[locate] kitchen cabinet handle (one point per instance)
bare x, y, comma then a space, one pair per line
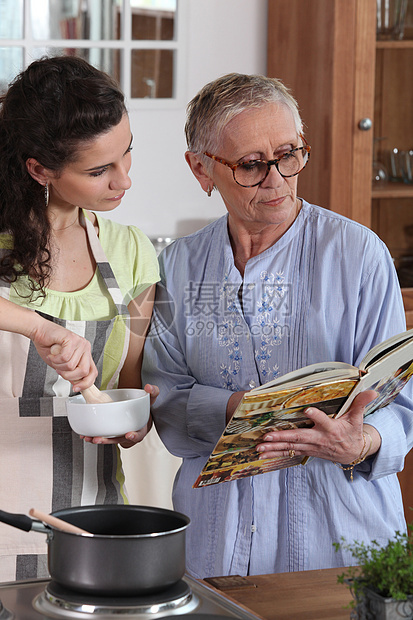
365, 124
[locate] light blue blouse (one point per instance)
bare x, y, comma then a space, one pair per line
327, 290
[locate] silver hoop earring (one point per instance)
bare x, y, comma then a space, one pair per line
46, 194
209, 191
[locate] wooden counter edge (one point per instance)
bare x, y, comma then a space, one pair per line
225, 594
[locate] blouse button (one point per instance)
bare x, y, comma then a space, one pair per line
252, 384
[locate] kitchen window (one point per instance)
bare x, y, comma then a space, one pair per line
139, 42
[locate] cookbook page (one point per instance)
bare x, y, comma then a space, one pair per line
235, 455
388, 349
386, 379
310, 375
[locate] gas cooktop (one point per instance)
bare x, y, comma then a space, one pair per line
32, 600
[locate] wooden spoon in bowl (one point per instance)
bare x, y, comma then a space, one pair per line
92, 394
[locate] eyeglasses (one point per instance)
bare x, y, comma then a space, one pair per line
255, 171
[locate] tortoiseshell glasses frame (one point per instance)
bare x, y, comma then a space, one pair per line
248, 165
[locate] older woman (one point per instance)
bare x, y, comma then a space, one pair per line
275, 284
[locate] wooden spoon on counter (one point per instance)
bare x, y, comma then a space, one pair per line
55, 522
92, 394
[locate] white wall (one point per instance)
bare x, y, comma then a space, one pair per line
165, 199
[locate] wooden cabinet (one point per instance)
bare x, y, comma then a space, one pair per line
392, 204
326, 52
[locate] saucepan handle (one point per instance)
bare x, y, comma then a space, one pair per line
22, 522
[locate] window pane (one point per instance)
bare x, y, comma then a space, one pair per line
107, 60
153, 19
95, 20
11, 63
11, 19
152, 73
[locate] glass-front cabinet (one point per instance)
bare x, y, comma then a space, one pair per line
352, 74
392, 197
353, 79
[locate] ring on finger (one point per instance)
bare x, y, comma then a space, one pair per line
291, 453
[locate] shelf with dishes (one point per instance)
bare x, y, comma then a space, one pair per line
392, 189
393, 124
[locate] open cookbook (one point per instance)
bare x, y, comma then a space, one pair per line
279, 405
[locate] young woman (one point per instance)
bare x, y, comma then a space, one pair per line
65, 155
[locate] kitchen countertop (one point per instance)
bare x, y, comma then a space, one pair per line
309, 595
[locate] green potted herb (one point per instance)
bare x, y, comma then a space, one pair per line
382, 581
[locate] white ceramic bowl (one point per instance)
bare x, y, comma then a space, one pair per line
129, 411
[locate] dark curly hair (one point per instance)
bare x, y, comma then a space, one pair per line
49, 112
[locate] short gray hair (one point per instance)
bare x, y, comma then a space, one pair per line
220, 101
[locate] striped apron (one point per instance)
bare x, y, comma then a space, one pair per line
43, 463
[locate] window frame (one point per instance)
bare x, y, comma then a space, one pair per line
126, 45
